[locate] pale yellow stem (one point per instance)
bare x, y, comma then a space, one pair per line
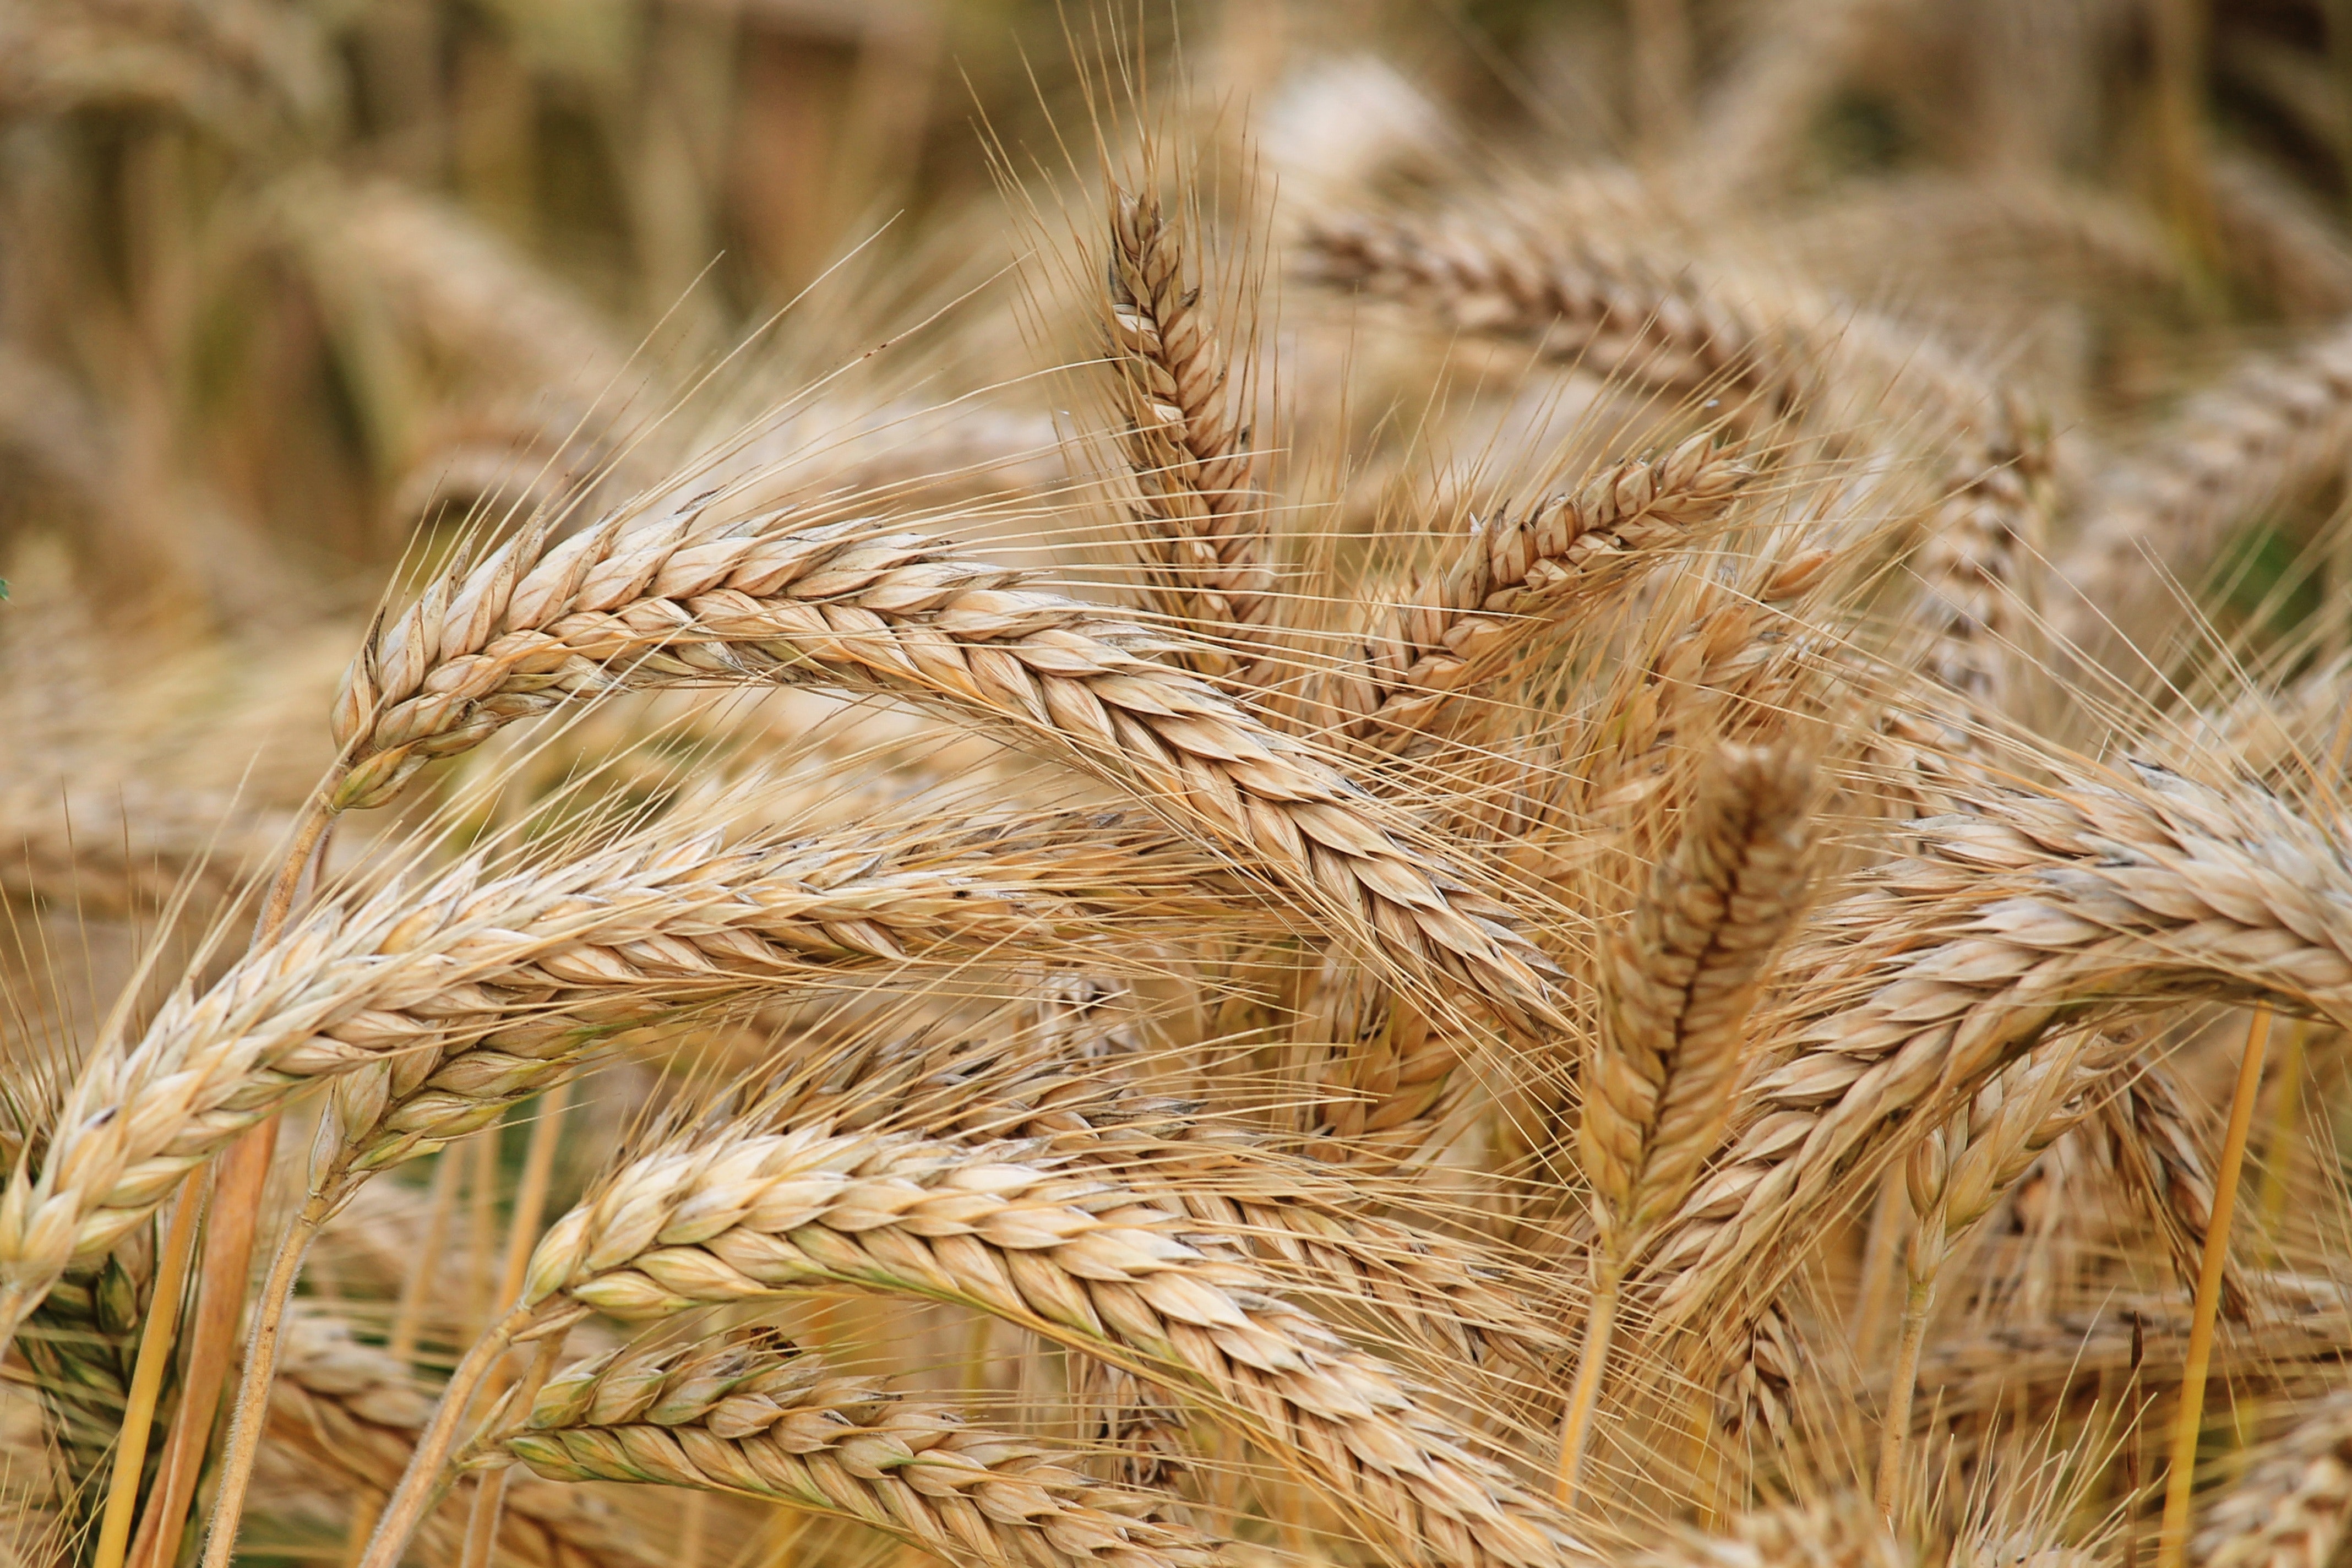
1584, 1396
147, 1375
252, 1405
405, 1509
1895, 1437
239, 1187
2172, 1544
240, 1182
1878, 1256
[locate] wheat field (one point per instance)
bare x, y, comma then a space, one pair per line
1458, 785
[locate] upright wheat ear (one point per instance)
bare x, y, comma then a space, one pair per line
1201, 520
1678, 982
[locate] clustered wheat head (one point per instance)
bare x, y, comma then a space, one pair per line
1375, 828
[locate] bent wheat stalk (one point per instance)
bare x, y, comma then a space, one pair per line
732, 1214
691, 597
753, 1415
534, 966
1956, 1176
1498, 588
2047, 910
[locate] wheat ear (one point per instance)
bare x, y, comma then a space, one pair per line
1844, 1531
80, 1345
749, 1413
1496, 589
1955, 1177
733, 1214
2290, 1508
690, 598
2152, 1142
1781, 357
532, 966
2049, 909
2275, 426
1678, 983
1201, 518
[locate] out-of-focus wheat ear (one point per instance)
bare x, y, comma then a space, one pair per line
749, 1413
731, 1213
1492, 596
1977, 565
1186, 435
2278, 240
81, 1343
1754, 125
131, 846
2051, 909
2276, 426
2290, 1508
696, 598
1678, 982
2158, 1158
1844, 1531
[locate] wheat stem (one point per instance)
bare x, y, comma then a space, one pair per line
2172, 1543
147, 1375
405, 1509
1584, 1394
234, 1223
1896, 1433
251, 1408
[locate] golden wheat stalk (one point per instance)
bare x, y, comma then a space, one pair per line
2049, 908
734, 1214
692, 597
749, 1413
2276, 424
1954, 1178
534, 965
1495, 591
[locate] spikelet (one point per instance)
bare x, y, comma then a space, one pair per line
694, 598
736, 1214
2092, 886
1471, 616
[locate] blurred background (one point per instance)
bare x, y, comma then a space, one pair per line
290, 289
280, 278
